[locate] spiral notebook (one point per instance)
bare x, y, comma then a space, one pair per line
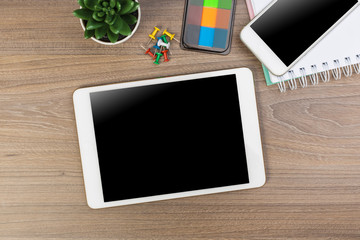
337, 55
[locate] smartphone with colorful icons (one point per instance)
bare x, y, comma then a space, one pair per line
207, 25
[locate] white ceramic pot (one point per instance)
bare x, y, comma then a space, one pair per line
122, 40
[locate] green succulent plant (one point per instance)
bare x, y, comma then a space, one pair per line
107, 17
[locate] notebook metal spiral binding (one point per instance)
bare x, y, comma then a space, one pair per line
347, 69
357, 65
325, 74
314, 77
303, 78
292, 81
336, 72
281, 84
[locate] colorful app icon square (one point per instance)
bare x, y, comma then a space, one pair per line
223, 18
192, 34
194, 15
209, 17
220, 38
211, 3
225, 4
206, 36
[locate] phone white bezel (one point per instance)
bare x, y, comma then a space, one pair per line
88, 150
264, 53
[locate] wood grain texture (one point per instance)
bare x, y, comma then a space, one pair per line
311, 138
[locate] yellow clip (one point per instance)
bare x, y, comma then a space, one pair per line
154, 33
171, 36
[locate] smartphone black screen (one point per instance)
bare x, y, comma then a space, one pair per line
169, 138
290, 27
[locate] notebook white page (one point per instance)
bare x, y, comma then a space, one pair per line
339, 48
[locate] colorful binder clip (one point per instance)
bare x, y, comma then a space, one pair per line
171, 36
165, 53
152, 36
148, 51
158, 56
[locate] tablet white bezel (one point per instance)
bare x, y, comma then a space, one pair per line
88, 150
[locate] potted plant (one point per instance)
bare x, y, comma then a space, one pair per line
108, 22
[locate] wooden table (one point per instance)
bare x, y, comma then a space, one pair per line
311, 138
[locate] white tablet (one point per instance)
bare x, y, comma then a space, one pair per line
169, 137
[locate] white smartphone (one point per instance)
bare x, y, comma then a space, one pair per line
170, 137
287, 29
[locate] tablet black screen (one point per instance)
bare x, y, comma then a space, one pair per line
169, 138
